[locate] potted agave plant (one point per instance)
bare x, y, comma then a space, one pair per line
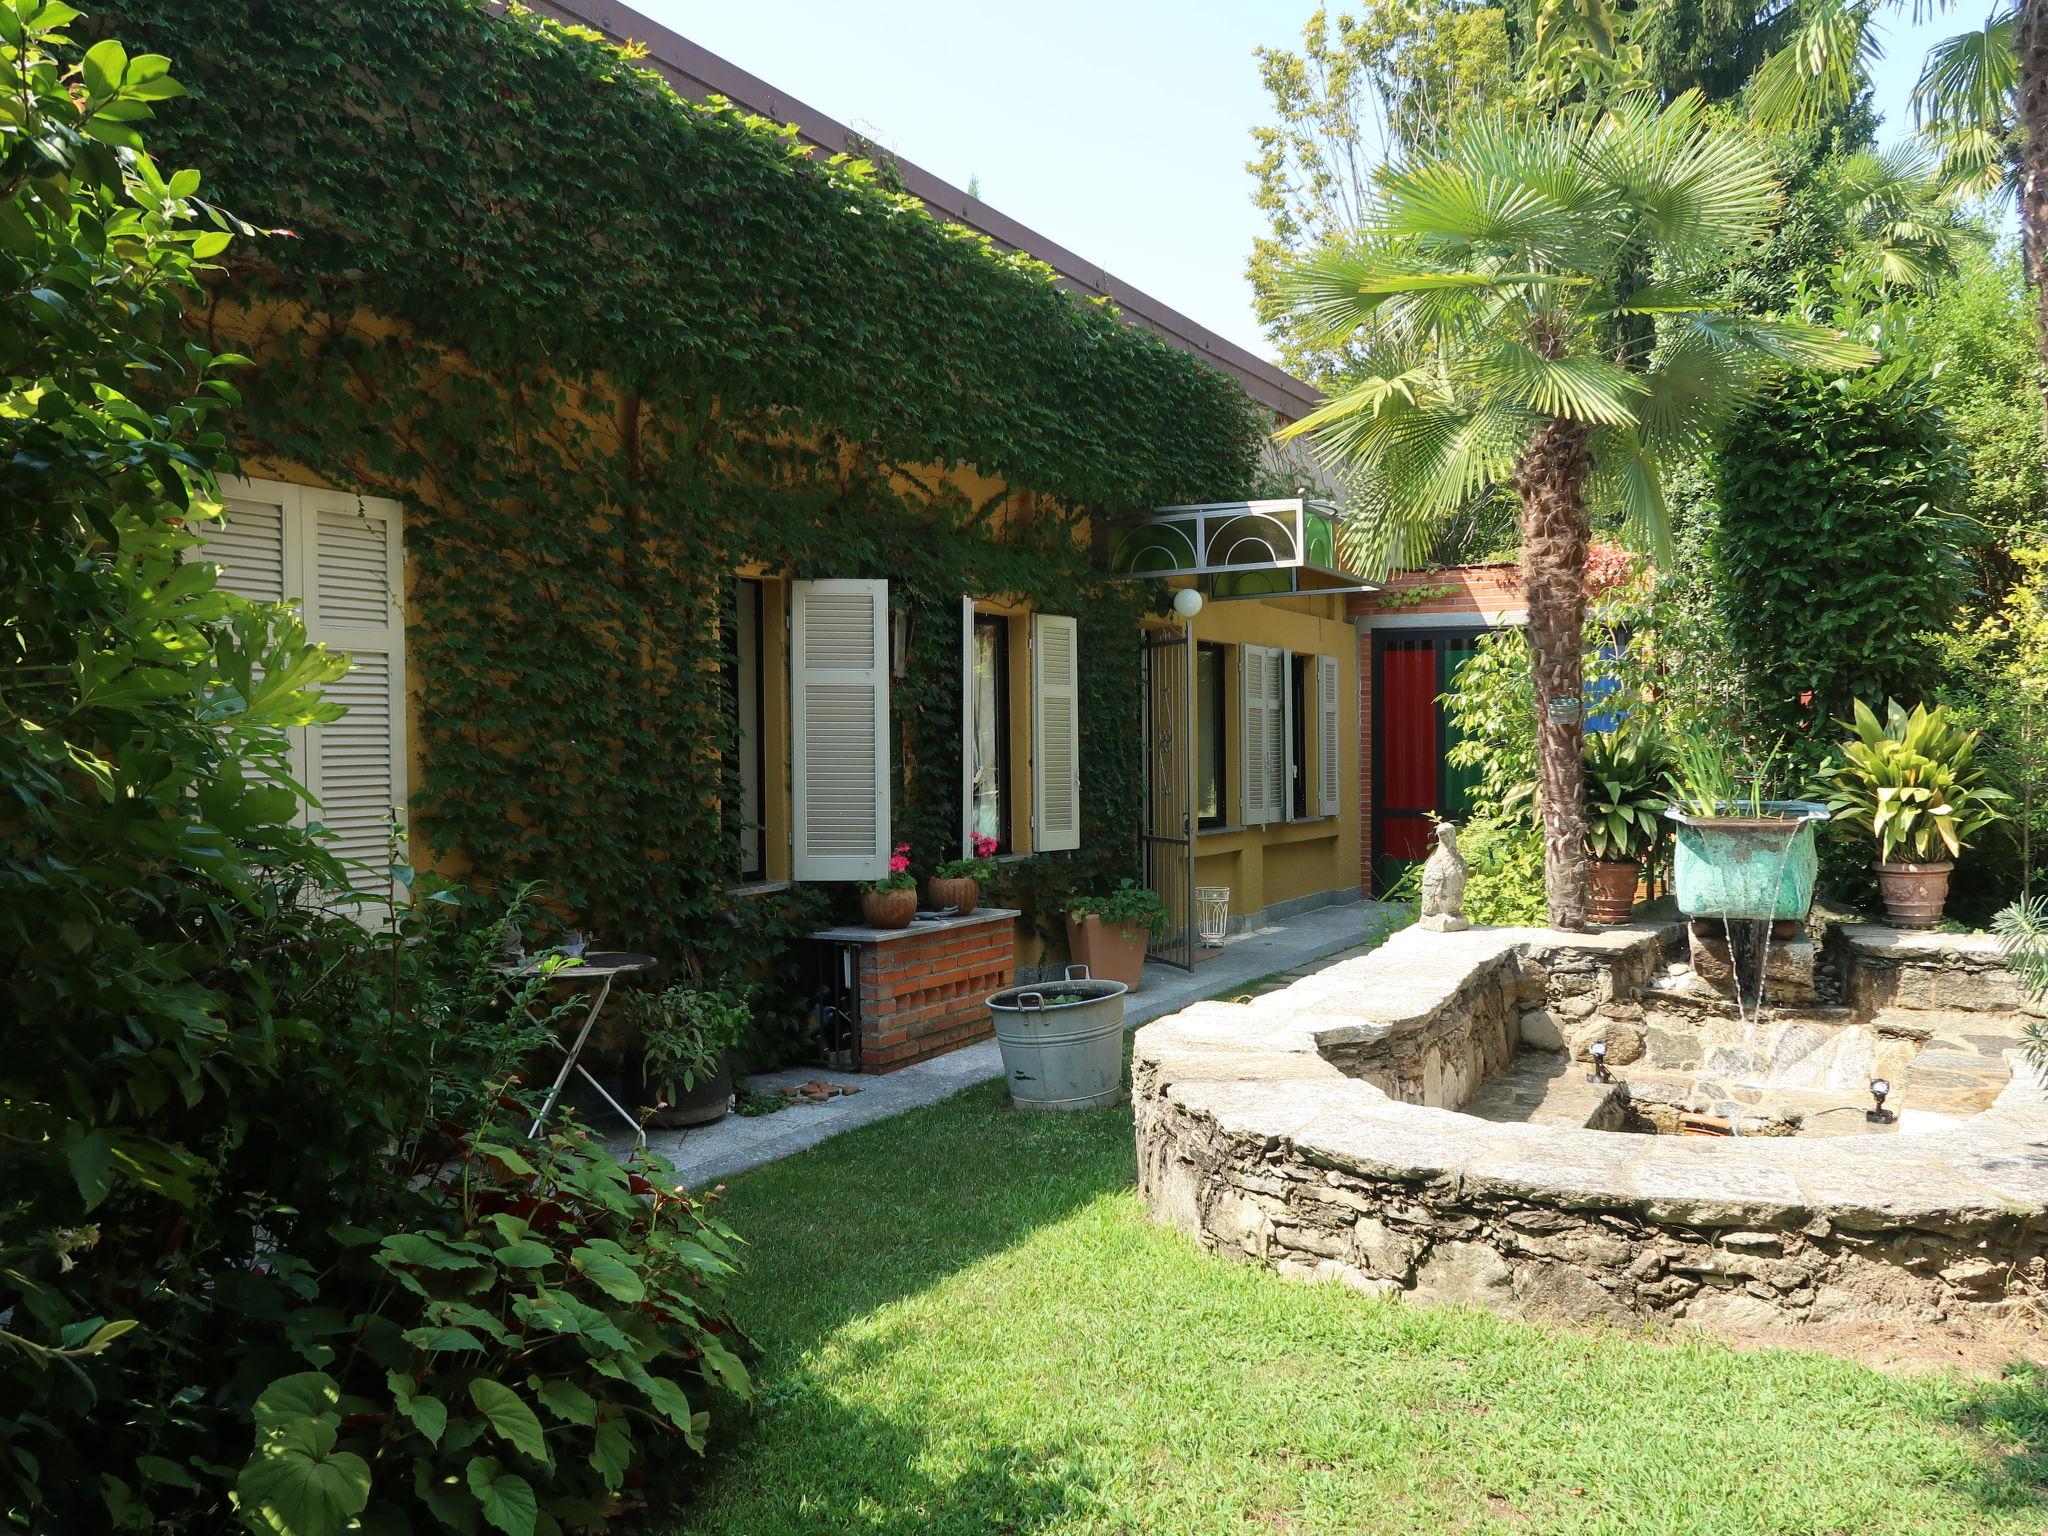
891, 902
955, 886
1110, 934
1628, 785
1913, 783
687, 1037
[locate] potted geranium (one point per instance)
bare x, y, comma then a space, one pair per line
955, 886
1628, 784
1109, 934
891, 902
1913, 783
687, 1037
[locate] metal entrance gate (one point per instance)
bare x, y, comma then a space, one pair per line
1169, 832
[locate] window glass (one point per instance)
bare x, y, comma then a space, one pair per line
1298, 668
1210, 788
990, 715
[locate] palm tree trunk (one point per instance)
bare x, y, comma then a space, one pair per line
2030, 43
1551, 479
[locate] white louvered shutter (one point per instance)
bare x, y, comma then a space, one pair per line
839, 728
356, 766
967, 723
1055, 733
1262, 698
255, 544
1329, 744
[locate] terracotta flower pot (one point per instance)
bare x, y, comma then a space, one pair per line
961, 896
1614, 889
1111, 953
889, 909
1914, 894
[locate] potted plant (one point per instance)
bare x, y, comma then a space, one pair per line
1913, 783
687, 1037
955, 886
1628, 785
1109, 934
891, 902
1738, 854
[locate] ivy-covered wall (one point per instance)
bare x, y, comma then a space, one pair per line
606, 345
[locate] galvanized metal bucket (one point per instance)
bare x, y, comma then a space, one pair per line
1062, 1041
1747, 866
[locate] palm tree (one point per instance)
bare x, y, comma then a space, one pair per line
1535, 305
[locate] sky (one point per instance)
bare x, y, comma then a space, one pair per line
1119, 128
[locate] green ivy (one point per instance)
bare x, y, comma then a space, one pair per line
606, 345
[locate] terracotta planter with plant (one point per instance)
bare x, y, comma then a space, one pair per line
955, 886
687, 1036
1110, 934
1628, 783
891, 902
1912, 781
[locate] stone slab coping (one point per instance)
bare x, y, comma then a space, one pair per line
1909, 944
1258, 1072
922, 927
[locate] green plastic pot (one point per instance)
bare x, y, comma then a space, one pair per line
1743, 866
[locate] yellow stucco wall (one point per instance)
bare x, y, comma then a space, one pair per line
1284, 861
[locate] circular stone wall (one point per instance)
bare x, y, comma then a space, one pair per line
1316, 1130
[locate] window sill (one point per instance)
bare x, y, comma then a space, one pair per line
1230, 830
747, 888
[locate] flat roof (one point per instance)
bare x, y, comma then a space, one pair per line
696, 73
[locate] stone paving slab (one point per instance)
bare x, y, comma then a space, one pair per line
740, 1142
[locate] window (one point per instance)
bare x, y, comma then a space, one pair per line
1211, 744
341, 557
743, 679
1297, 734
988, 708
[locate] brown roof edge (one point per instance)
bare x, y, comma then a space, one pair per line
697, 73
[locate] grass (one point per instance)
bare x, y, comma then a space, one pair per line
968, 1326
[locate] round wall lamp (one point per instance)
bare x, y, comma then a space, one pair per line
1187, 602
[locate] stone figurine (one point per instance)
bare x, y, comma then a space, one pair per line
1443, 884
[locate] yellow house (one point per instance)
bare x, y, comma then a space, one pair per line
695, 587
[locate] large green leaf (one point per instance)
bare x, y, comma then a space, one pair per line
297, 1484
507, 1499
511, 1417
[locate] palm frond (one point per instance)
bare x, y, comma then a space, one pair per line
1626, 469
1819, 70
1798, 343
1577, 386
1694, 191
1969, 80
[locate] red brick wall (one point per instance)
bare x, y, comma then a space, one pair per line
1458, 595
921, 995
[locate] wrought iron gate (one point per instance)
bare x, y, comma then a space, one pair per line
1169, 832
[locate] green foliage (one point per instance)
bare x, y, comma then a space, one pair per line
772, 361
1912, 782
1628, 786
1994, 671
1492, 706
215, 1090
546, 1316
1129, 905
1834, 546
686, 1034
2022, 930
1504, 872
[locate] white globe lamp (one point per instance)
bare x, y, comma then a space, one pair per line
1187, 602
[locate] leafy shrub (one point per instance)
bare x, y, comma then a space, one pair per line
1130, 905
1836, 550
493, 1359
686, 1034
1628, 786
220, 1100
1504, 864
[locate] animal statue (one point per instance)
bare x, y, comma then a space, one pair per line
1443, 884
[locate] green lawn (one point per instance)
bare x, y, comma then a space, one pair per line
968, 1326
